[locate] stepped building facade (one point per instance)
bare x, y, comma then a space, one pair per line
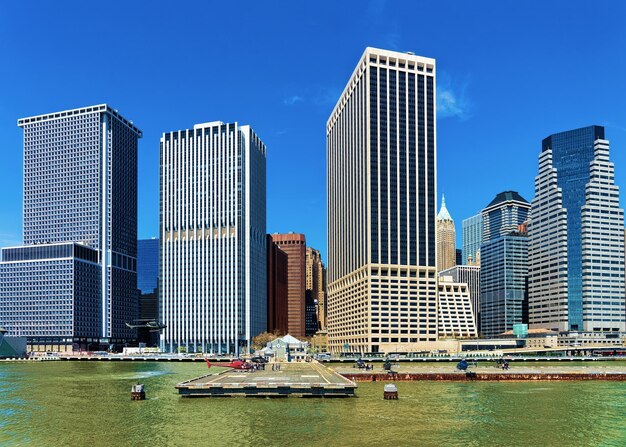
576, 280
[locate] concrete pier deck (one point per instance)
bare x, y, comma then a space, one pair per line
294, 379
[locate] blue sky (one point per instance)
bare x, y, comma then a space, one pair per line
509, 74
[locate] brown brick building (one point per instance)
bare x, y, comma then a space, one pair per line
276, 288
294, 245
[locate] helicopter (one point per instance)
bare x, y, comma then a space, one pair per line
235, 364
146, 323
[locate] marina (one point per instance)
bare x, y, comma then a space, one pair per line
301, 379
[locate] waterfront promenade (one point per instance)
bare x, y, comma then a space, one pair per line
488, 371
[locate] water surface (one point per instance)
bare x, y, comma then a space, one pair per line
80, 403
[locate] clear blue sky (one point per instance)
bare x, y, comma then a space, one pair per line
509, 74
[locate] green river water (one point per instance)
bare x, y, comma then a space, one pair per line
88, 404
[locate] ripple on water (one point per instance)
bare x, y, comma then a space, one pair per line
89, 404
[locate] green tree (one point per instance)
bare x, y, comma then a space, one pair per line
261, 340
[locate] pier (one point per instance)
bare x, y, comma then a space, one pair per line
489, 377
487, 371
293, 379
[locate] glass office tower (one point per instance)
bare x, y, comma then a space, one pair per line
147, 265
148, 285
504, 264
577, 236
381, 174
213, 248
472, 238
80, 213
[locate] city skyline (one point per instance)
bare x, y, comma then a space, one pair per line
288, 99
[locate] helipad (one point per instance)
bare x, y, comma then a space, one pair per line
294, 379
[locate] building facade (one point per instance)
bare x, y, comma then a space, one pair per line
277, 292
212, 233
472, 239
316, 285
503, 215
80, 220
503, 284
294, 246
456, 317
148, 285
147, 265
577, 226
504, 264
470, 275
311, 325
446, 238
381, 174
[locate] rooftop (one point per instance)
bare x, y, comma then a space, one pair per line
82, 110
507, 196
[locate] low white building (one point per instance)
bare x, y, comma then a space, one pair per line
287, 348
455, 314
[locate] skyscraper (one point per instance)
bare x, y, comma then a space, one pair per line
74, 283
504, 264
147, 265
472, 238
294, 246
316, 284
446, 238
576, 236
213, 252
381, 139
503, 215
148, 285
277, 292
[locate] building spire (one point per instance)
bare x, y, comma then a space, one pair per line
443, 211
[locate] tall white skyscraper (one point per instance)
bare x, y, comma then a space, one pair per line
381, 156
576, 237
213, 251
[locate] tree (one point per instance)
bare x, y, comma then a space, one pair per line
261, 340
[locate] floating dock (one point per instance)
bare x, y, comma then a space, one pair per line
293, 379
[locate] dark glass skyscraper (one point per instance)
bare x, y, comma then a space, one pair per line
148, 284
80, 231
504, 264
381, 136
147, 265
